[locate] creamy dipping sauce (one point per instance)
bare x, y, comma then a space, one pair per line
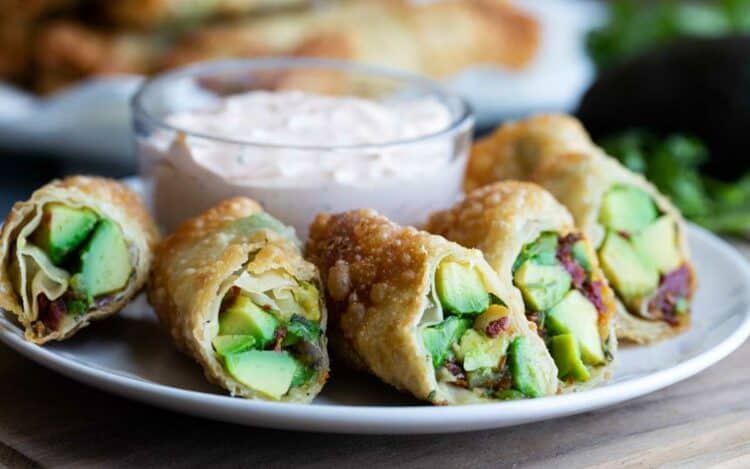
305, 155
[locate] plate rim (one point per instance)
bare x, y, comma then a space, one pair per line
407, 419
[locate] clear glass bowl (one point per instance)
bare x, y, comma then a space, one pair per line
187, 170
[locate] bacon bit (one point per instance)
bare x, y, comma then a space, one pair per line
456, 370
566, 259
674, 285
229, 298
278, 337
593, 291
574, 269
51, 313
566, 242
494, 328
624, 234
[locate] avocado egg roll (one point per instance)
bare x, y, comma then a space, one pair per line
424, 314
529, 239
234, 292
78, 250
639, 236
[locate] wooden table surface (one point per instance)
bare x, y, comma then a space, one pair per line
49, 420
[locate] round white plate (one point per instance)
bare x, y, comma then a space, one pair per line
129, 355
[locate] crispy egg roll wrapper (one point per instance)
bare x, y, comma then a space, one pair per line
25, 271
556, 152
196, 266
499, 220
516, 149
378, 277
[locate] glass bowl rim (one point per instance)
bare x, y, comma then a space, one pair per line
463, 118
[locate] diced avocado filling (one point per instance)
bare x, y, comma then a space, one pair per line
552, 281
628, 209
469, 347
564, 349
440, 338
657, 243
266, 371
460, 289
524, 368
265, 342
542, 286
632, 277
640, 248
105, 261
89, 248
62, 229
575, 315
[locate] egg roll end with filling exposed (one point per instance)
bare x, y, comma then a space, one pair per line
234, 292
78, 250
424, 314
529, 239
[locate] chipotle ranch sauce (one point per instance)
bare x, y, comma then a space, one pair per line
304, 156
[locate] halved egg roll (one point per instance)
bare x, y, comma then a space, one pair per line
234, 292
78, 250
529, 239
640, 237
424, 314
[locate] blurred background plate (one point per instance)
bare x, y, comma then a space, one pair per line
90, 120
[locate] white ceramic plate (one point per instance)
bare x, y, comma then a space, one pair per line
129, 355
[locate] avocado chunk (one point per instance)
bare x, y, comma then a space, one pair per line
564, 350
460, 288
105, 262
524, 370
577, 316
657, 243
244, 317
479, 351
439, 338
542, 286
62, 230
543, 251
268, 372
626, 208
582, 254
632, 277
226, 345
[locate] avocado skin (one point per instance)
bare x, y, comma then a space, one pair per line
695, 86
